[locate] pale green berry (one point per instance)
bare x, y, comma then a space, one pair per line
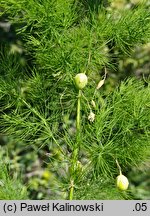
122, 182
80, 80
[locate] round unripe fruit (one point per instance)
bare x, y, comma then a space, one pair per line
122, 182
80, 80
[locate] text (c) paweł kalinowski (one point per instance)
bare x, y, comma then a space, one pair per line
61, 207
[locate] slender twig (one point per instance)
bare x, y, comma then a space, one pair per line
78, 112
76, 148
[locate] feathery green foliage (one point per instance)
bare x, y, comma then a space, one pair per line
11, 188
68, 37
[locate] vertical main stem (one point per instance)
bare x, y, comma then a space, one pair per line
76, 148
71, 190
78, 113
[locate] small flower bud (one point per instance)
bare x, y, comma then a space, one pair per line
91, 116
93, 103
80, 80
122, 182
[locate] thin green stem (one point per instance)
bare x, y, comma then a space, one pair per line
71, 191
118, 167
78, 112
87, 101
76, 148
